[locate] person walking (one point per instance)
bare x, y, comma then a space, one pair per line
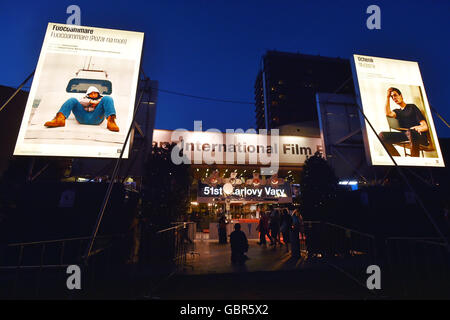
295, 235
301, 227
285, 226
274, 226
239, 245
263, 227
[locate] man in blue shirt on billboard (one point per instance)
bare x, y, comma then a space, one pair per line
91, 109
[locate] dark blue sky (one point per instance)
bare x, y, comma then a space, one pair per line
213, 48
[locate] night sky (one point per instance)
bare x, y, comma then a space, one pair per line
214, 48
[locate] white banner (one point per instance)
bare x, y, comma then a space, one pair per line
82, 97
393, 98
241, 148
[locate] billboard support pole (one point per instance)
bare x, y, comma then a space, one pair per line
30, 170
440, 117
145, 89
405, 179
385, 176
335, 149
17, 91
421, 178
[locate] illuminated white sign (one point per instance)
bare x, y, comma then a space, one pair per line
393, 98
247, 192
241, 148
82, 97
281, 193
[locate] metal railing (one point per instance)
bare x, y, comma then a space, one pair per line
411, 267
418, 267
38, 269
167, 248
348, 250
191, 226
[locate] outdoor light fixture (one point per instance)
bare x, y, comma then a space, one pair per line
352, 184
228, 188
347, 182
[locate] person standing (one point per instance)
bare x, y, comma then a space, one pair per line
274, 226
295, 234
286, 222
239, 245
263, 227
222, 229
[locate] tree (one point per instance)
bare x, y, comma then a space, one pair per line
318, 185
166, 187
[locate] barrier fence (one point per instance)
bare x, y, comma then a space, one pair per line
168, 246
418, 267
38, 269
348, 250
410, 267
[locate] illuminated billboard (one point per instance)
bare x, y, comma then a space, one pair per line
392, 96
245, 192
240, 148
82, 98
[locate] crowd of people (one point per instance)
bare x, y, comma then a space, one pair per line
282, 226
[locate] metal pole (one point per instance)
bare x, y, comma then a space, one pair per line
343, 85
17, 91
30, 170
113, 177
333, 147
440, 117
400, 171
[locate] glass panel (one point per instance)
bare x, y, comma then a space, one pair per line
79, 85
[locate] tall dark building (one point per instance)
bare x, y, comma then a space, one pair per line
292, 80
